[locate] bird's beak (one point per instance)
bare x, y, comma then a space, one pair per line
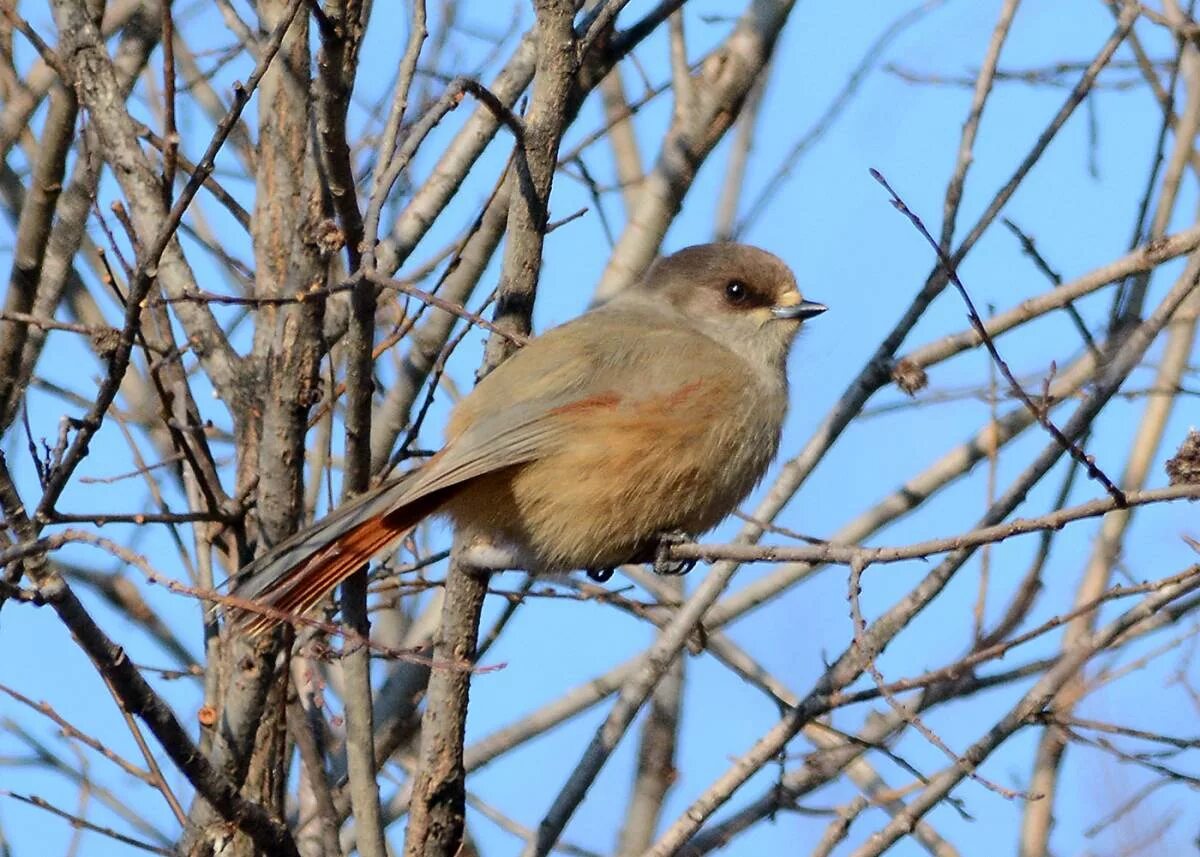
795, 307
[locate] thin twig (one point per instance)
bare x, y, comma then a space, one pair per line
976, 322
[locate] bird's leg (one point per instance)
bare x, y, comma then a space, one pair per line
663, 564
655, 551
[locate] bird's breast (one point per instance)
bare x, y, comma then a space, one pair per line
625, 469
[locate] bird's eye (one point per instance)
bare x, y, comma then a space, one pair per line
736, 291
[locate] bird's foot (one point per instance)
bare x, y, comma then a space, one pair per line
663, 564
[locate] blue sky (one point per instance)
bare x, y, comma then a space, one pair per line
851, 250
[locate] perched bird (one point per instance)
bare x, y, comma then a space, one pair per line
649, 416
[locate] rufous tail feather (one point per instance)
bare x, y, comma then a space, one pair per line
300, 588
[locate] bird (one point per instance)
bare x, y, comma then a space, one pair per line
645, 420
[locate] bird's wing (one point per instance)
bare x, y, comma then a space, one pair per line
526, 408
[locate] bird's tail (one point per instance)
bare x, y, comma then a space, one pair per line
298, 572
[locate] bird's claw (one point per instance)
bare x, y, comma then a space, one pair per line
663, 564
657, 553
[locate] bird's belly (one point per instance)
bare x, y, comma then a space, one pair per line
596, 506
